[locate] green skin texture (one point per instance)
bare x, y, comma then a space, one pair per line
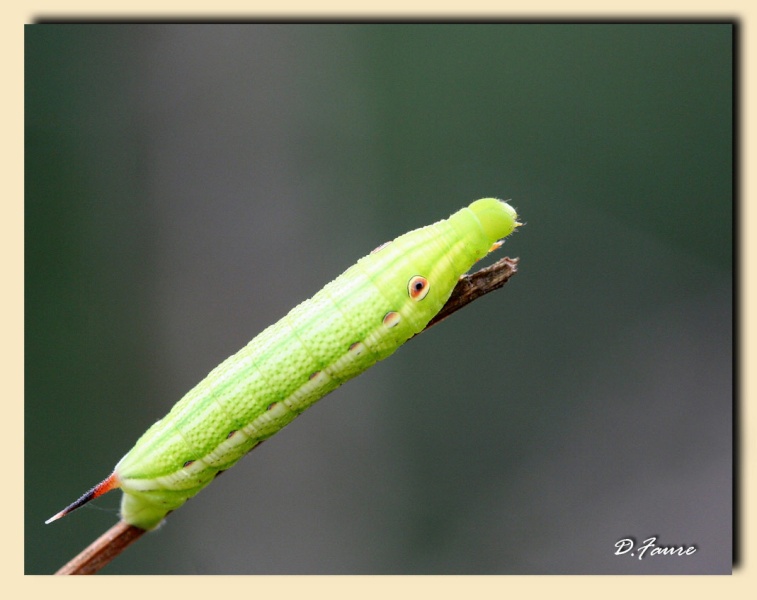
323, 342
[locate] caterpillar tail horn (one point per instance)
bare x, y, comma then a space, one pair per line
111, 483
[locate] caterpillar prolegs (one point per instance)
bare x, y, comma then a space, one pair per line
361, 317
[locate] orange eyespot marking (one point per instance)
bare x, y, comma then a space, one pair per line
417, 287
232, 432
271, 405
379, 248
356, 348
188, 463
314, 374
391, 319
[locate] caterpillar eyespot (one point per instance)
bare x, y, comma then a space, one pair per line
417, 287
298, 360
391, 319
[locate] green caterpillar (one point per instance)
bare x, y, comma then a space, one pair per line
361, 317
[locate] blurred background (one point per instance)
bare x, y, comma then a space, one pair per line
186, 185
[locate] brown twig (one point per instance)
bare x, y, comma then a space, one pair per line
103, 550
117, 538
474, 285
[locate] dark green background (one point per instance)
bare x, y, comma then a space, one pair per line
187, 185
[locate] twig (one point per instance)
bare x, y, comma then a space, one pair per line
103, 550
474, 285
117, 538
